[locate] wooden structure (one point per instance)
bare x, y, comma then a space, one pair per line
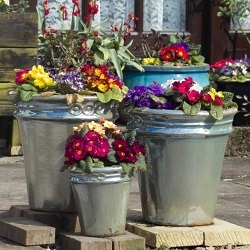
18, 50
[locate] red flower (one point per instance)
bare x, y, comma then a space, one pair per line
207, 98
218, 101
167, 54
184, 86
20, 79
180, 52
221, 64
64, 12
193, 96
138, 148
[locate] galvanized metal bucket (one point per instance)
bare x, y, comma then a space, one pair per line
184, 158
102, 201
45, 123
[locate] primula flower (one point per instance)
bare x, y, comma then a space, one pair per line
167, 54
151, 61
193, 96
93, 143
183, 87
21, 76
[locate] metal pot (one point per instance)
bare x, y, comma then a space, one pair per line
102, 201
184, 157
45, 124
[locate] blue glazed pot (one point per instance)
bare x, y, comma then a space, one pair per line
161, 74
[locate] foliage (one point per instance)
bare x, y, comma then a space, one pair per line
87, 80
19, 7
230, 70
96, 145
235, 10
183, 94
88, 44
173, 50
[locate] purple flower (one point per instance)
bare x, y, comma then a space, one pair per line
72, 80
182, 44
156, 89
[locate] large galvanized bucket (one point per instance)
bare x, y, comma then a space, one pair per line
102, 201
45, 124
184, 158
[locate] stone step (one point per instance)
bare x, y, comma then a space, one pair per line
26, 232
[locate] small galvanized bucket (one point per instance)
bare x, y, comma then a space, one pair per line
102, 200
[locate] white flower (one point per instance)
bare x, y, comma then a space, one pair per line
196, 87
168, 84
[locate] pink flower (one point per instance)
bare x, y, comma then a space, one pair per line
193, 96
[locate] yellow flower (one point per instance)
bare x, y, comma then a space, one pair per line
96, 127
109, 124
98, 72
102, 87
214, 93
151, 61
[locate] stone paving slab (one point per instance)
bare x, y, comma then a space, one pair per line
221, 233
26, 232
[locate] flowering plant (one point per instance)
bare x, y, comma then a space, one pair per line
102, 144
184, 94
88, 80
230, 70
85, 43
173, 50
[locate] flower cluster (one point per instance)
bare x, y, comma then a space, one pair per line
89, 80
173, 50
102, 144
36, 77
230, 70
183, 94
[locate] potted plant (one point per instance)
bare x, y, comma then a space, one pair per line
79, 78
184, 129
102, 160
167, 57
234, 76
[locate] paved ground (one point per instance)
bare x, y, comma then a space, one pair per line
233, 201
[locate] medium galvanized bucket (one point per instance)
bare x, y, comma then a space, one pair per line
184, 158
45, 124
102, 201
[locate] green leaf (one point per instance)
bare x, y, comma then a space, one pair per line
112, 157
104, 97
191, 109
158, 99
89, 165
142, 166
216, 112
83, 131
26, 95
83, 165
228, 97
128, 168
115, 61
